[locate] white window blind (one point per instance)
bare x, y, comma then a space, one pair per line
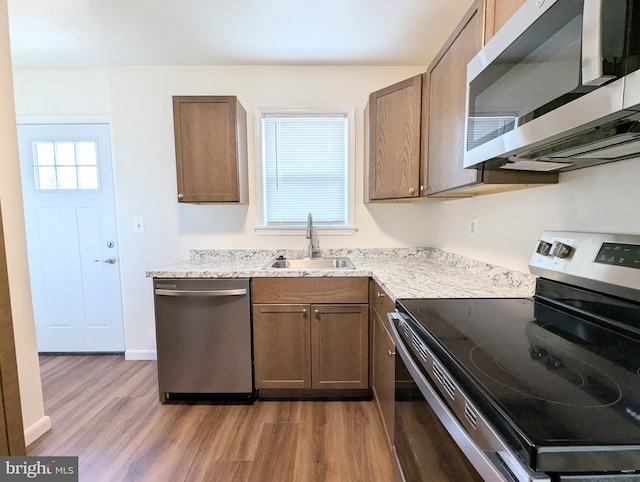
305, 169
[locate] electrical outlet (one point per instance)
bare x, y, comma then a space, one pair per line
473, 227
138, 225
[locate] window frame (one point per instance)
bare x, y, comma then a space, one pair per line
298, 229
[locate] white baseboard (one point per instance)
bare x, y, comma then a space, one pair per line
140, 355
33, 433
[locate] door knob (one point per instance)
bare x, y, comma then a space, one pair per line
109, 260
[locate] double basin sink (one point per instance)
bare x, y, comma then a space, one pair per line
310, 263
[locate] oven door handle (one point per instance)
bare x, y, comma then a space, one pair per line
478, 458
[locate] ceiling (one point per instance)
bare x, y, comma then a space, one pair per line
102, 33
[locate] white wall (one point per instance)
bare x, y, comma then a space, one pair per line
604, 199
137, 101
34, 420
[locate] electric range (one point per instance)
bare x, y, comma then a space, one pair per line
541, 388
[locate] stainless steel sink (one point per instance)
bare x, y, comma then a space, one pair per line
311, 263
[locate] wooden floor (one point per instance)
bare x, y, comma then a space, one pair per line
105, 410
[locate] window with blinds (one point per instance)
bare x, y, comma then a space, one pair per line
305, 168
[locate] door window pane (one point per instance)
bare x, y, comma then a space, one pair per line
69, 165
87, 154
87, 177
44, 152
46, 178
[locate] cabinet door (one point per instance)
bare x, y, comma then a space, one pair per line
281, 345
445, 97
211, 153
383, 382
340, 346
497, 12
394, 140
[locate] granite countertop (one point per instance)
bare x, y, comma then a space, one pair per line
401, 272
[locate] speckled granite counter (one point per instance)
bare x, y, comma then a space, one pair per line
401, 272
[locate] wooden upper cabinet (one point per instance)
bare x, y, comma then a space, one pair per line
445, 95
497, 12
394, 141
211, 149
443, 123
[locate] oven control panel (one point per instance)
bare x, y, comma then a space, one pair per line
618, 254
598, 261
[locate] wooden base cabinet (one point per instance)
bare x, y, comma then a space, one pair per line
340, 346
382, 358
302, 345
281, 346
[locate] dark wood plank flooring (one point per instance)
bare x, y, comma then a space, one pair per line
105, 410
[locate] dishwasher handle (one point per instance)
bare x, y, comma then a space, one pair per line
237, 292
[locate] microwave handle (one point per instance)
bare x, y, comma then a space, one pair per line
592, 44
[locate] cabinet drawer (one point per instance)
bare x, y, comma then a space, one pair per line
380, 300
310, 290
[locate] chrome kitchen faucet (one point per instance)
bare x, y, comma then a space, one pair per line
310, 236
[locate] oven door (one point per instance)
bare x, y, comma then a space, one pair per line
423, 448
430, 443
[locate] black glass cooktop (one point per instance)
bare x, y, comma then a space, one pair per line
545, 377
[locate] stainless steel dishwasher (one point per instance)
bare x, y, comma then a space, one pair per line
203, 339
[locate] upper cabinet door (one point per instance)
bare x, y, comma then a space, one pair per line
497, 12
211, 149
445, 96
394, 141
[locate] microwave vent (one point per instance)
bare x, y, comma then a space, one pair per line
540, 166
615, 141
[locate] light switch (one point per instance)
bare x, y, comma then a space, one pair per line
138, 225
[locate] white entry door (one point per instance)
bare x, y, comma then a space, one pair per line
67, 184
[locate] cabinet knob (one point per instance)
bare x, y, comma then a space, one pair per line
412, 191
380, 295
391, 353
317, 312
180, 196
423, 188
304, 311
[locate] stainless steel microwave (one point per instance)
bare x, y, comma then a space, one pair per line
557, 88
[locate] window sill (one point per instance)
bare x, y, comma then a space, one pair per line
300, 231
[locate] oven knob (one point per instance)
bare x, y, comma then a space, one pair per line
543, 248
560, 250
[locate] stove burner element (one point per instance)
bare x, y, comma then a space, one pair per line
537, 372
584, 334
